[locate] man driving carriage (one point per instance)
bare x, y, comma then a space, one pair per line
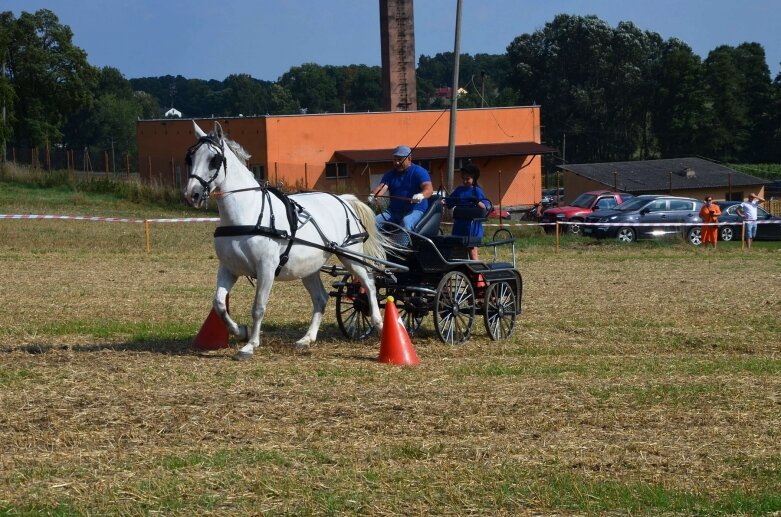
408, 186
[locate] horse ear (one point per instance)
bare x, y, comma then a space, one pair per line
198, 131
218, 130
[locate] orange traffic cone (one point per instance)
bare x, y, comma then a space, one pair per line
213, 334
395, 346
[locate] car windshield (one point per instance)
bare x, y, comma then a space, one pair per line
584, 201
633, 204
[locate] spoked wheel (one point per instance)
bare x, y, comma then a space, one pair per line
412, 318
499, 310
353, 312
454, 308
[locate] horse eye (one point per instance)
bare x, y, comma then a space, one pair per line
215, 162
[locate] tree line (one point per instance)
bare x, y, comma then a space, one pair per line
607, 93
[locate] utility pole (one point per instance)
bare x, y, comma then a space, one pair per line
451, 151
2, 78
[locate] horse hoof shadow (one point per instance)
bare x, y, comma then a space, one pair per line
242, 356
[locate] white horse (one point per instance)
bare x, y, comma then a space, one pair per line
255, 234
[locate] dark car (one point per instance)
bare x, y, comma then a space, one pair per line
648, 217
768, 225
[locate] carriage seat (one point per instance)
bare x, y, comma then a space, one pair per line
473, 215
428, 226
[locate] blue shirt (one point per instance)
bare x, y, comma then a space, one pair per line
467, 196
405, 185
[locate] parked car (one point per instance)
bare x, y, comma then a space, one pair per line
552, 196
624, 220
769, 229
496, 214
583, 205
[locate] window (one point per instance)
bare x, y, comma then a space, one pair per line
336, 170
459, 162
605, 203
680, 204
426, 164
258, 171
658, 205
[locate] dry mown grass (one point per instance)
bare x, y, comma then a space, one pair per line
640, 380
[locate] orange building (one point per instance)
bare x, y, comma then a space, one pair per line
349, 152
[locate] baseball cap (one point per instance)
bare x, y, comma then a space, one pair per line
402, 151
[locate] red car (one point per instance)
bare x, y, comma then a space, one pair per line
584, 205
495, 214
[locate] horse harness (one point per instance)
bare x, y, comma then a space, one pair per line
217, 161
296, 215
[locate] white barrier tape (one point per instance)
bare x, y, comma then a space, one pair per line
563, 223
109, 219
217, 219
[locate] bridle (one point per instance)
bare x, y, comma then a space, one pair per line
217, 161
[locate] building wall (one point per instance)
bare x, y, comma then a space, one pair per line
294, 149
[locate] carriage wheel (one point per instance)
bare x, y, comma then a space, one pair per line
353, 312
412, 318
454, 308
499, 310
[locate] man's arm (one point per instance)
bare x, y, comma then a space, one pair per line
427, 189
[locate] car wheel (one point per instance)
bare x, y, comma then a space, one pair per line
727, 233
574, 228
694, 236
626, 234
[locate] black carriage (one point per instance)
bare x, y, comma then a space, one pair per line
436, 277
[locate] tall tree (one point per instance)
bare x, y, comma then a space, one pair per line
313, 88
682, 109
50, 75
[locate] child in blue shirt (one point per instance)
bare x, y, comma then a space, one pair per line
469, 194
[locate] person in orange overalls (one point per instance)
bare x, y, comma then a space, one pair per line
709, 213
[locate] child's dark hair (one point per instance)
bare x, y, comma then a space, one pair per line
470, 169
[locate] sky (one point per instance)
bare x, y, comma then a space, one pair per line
212, 39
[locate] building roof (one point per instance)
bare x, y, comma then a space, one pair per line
655, 175
440, 152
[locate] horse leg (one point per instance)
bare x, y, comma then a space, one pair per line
367, 281
262, 290
225, 282
314, 284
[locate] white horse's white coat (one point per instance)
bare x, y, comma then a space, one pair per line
258, 256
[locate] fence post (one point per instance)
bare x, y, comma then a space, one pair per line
146, 230
557, 236
743, 235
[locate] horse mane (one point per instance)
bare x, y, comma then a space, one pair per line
237, 149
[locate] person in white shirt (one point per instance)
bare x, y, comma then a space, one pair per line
748, 211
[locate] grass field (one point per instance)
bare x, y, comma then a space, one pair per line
641, 379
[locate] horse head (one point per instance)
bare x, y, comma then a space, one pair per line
208, 166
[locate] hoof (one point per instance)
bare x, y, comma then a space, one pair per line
242, 356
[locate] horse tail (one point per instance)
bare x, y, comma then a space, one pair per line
377, 243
